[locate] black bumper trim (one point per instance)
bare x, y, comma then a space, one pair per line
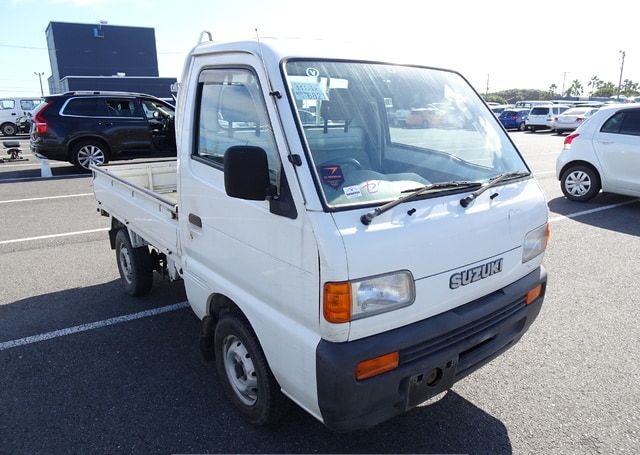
455, 343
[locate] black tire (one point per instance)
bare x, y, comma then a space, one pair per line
580, 183
134, 265
87, 152
244, 372
9, 129
522, 126
532, 129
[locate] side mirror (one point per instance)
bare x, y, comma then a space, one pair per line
246, 173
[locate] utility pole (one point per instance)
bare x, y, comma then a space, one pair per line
564, 78
620, 80
487, 92
40, 79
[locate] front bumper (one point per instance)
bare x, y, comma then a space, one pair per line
456, 342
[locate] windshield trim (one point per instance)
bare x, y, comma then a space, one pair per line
328, 208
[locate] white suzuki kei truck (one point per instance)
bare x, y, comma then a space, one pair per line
355, 267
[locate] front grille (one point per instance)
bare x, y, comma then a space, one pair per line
442, 341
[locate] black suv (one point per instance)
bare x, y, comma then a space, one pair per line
87, 128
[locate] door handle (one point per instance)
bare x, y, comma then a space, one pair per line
105, 123
13, 113
195, 220
605, 142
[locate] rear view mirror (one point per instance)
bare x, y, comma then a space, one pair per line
246, 173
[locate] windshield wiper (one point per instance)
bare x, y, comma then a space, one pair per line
414, 193
465, 201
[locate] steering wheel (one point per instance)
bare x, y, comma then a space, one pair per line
347, 161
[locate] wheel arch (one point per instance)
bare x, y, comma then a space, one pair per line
579, 163
3, 124
75, 141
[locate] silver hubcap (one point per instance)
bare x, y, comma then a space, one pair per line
578, 183
125, 264
90, 154
240, 370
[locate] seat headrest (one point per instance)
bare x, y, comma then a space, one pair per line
237, 105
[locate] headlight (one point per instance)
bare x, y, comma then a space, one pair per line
382, 293
535, 242
348, 300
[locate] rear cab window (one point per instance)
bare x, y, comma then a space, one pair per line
7, 104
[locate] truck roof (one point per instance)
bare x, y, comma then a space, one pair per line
276, 49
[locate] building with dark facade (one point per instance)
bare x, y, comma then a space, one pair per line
104, 57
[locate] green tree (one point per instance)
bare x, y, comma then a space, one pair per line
495, 98
575, 89
594, 83
629, 88
606, 89
552, 89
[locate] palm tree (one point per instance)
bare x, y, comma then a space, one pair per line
552, 89
594, 83
575, 89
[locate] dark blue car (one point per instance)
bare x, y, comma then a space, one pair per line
514, 119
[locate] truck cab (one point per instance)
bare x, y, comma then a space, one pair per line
353, 265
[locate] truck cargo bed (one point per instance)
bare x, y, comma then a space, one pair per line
144, 198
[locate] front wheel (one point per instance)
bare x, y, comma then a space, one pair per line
8, 129
245, 375
134, 264
580, 183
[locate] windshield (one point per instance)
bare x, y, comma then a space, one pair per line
376, 130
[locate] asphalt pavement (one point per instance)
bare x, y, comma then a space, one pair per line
85, 368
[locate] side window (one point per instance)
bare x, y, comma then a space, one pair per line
150, 108
231, 111
7, 104
28, 105
613, 124
631, 123
121, 107
86, 107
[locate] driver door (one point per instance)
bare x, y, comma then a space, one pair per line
161, 125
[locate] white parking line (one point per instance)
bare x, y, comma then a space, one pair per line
66, 176
52, 236
91, 326
10, 165
594, 210
45, 198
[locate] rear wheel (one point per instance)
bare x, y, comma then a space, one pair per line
580, 183
89, 152
8, 129
134, 265
245, 375
522, 126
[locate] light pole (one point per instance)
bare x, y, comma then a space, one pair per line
620, 80
564, 78
40, 79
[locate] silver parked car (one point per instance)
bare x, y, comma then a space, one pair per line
572, 118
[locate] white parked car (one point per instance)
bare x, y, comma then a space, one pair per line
542, 117
572, 118
11, 109
603, 153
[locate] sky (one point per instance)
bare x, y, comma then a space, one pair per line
509, 44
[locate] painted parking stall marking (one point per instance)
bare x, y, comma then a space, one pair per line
91, 326
45, 198
52, 236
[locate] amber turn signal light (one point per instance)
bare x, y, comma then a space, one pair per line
533, 294
377, 365
337, 302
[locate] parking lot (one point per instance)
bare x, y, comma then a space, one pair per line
87, 368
